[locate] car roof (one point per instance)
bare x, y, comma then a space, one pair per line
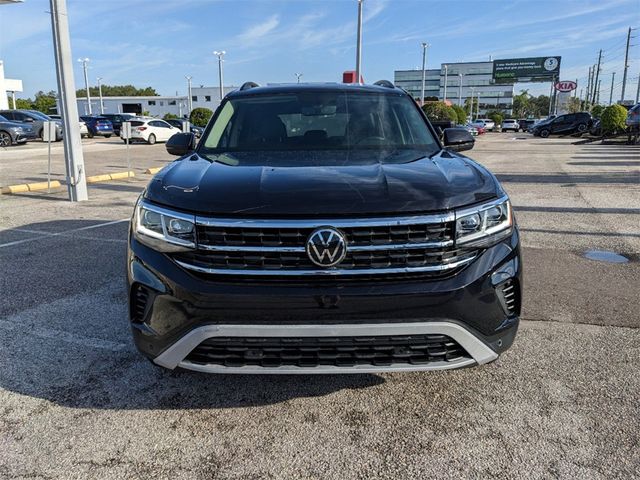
315, 87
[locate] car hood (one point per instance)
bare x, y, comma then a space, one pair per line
364, 186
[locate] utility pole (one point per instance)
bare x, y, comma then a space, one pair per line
446, 75
596, 82
220, 54
638, 90
551, 90
460, 89
298, 75
581, 101
84, 62
100, 94
598, 92
626, 67
74, 161
613, 75
189, 97
359, 43
586, 98
425, 46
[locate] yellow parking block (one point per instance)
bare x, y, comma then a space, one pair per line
154, 170
29, 187
116, 176
99, 178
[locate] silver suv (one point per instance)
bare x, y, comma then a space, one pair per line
33, 118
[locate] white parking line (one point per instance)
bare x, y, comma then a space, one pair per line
58, 234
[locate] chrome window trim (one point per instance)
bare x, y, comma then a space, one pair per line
329, 271
175, 355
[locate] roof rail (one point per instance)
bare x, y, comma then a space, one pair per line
385, 83
248, 85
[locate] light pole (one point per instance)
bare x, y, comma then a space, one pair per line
471, 104
220, 54
460, 90
425, 46
189, 104
446, 75
359, 43
100, 93
298, 75
84, 62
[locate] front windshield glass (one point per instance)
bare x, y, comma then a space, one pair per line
319, 121
39, 115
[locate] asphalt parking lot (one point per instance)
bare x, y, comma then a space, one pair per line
77, 400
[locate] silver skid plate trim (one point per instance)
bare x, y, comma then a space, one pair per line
175, 355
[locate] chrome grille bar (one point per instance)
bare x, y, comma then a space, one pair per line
351, 248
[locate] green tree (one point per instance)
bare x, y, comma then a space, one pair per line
597, 111
539, 106
45, 102
439, 112
470, 107
574, 105
460, 113
200, 116
522, 104
118, 91
613, 119
170, 116
496, 116
24, 103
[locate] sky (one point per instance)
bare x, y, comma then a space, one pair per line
157, 42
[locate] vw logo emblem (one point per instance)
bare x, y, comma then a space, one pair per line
326, 247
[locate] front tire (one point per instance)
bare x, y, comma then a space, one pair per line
5, 139
152, 139
544, 133
582, 128
107, 136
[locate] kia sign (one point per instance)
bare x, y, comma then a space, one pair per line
535, 69
566, 86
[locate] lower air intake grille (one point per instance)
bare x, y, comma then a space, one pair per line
510, 296
309, 352
139, 301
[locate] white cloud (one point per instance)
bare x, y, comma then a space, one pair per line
259, 31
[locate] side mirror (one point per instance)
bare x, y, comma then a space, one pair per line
458, 139
181, 144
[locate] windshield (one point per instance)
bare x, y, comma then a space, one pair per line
319, 121
39, 115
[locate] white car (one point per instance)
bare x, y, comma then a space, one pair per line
151, 130
84, 131
488, 123
510, 124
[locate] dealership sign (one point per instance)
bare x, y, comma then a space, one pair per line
535, 69
566, 86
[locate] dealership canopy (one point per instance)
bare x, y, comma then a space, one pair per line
535, 69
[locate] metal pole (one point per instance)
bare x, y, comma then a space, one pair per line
100, 93
478, 106
598, 92
596, 82
359, 43
471, 104
189, 99
586, 98
613, 75
580, 98
460, 90
84, 62
13, 98
446, 72
298, 75
626, 67
425, 46
74, 161
220, 54
638, 90
553, 82
49, 157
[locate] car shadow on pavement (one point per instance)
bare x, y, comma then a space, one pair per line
66, 338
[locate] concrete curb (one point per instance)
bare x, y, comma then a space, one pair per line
29, 187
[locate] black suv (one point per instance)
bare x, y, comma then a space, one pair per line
563, 124
321, 229
116, 120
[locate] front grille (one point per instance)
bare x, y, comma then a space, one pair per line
309, 352
381, 246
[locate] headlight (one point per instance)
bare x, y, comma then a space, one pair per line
484, 225
164, 230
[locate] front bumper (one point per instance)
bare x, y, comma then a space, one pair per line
183, 309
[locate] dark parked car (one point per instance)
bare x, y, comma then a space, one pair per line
34, 119
14, 133
563, 124
116, 120
526, 123
323, 229
633, 117
177, 122
97, 125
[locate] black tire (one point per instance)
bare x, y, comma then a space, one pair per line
544, 133
582, 127
90, 134
124, 140
5, 139
152, 139
107, 136
40, 133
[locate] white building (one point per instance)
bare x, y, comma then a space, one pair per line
8, 87
156, 106
476, 80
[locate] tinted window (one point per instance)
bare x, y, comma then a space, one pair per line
2, 119
136, 123
319, 121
